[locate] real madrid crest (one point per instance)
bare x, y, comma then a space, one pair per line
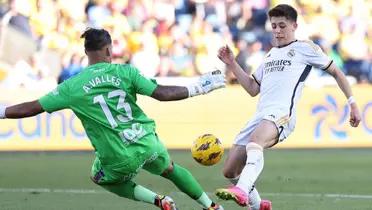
291, 53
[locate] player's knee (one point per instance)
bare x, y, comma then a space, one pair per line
254, 139
168, 170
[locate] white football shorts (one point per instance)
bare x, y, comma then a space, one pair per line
283, 122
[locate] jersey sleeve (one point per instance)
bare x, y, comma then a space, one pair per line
57, 99
142, 85
313, 55
258, 74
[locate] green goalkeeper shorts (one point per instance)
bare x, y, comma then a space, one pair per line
154, 158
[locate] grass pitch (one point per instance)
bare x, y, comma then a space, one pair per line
323, 179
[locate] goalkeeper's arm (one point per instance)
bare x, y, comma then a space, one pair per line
205, 84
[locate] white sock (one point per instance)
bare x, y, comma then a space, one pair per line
254, 199
253, 167
204, 200
144, 194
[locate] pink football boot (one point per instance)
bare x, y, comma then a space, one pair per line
264, 205
233, 193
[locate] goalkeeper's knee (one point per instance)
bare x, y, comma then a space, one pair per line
169, 170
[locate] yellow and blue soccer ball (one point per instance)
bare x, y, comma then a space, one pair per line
207, 150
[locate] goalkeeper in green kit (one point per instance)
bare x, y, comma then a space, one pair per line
103, 97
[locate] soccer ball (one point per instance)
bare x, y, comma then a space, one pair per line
207, 150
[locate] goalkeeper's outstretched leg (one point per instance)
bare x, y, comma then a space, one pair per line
186, 182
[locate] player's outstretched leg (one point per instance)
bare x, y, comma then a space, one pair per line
248, 176
184, 181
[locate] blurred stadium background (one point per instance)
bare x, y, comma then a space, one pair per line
324, 165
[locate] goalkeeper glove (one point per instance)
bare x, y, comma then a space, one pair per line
206, 83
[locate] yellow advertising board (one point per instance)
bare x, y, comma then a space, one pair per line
322, 121
322, 118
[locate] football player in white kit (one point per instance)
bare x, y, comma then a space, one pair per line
279, 80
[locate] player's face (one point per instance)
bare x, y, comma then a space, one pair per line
283, 30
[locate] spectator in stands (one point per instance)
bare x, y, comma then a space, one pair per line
197, 24
72, 68
13, 17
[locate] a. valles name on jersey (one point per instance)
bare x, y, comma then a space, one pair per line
103, 79
276, 65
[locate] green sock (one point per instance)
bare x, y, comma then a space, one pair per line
124, 189
132, 191
184, 180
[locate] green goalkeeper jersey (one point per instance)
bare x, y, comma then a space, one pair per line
103, 97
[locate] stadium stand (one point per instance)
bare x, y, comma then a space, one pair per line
39, 39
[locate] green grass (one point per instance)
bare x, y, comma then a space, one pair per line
292, 179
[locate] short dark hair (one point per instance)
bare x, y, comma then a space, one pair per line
95, 39
284, 10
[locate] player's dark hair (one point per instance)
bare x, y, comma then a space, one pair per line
95, 39
284, 10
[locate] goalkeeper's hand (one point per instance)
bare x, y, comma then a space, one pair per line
207, 83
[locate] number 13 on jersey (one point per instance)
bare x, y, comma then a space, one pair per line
121, 105
130, 134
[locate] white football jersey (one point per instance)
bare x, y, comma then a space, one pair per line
282, 74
